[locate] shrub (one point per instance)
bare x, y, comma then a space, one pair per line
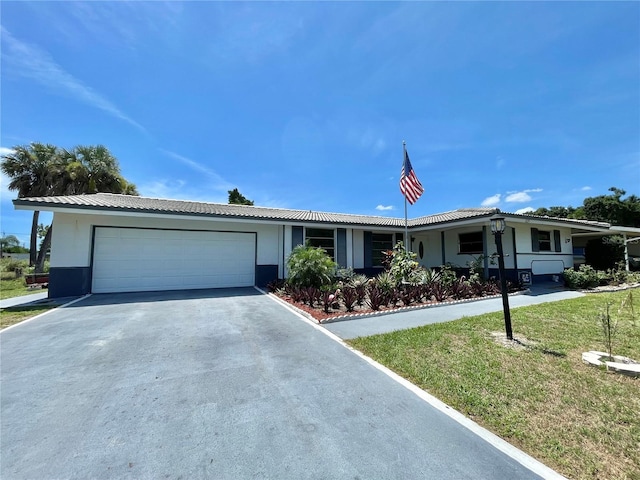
329, 296
387, 283
403, 266
297, 293
310, 267
276, 285
440, 291
349, 297
584, 277
447, 275
11, 265
312, 295
460, 289
376, 297
633, 277
360, 283
344, 274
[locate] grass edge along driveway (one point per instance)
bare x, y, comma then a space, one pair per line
13, 315
577, 419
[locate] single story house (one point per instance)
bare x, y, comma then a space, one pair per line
118, 243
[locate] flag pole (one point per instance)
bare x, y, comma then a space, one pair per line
406, 225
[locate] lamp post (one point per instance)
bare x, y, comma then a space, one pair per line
497, 228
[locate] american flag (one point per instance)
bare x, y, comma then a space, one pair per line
410, 186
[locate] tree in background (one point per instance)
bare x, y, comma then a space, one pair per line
11, 244
611, 208
236, 198
39, 170
91, 169
31, 175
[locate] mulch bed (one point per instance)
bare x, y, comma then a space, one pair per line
337, 314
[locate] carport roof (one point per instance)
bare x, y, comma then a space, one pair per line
108, 202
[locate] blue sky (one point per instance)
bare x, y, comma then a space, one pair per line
306, 104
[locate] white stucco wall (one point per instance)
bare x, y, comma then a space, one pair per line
71, 239
432, 256
543, 262
358, 248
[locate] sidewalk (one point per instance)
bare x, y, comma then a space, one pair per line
24, 299
363, 327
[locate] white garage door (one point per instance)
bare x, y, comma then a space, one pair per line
133, 260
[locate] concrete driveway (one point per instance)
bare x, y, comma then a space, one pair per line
221, 384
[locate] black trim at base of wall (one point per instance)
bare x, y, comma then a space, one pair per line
69, 281
369, 271
266, 274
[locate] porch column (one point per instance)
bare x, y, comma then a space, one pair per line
626, 252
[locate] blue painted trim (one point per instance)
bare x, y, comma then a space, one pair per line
515, 251
266, 274
341, 247
69, 281
485, 252
369, 271
297, 236
368, 249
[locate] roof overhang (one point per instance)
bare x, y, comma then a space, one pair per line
128, 206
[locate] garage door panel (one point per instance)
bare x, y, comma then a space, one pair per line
128, 259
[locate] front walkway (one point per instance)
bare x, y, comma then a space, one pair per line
363, 327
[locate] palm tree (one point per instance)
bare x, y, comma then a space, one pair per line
85, 170
30, 173
38, 170
92, 169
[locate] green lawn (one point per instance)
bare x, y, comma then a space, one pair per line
580, 420
12, 315
13, 287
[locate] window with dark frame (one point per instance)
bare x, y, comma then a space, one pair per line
471, 242
544, 240
380, 242
322, 238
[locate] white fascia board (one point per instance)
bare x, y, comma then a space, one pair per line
631, 231
480, 222
548, 221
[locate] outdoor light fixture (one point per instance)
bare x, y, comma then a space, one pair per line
498, 226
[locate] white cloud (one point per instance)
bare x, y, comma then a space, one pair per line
491, 201
6, 151
5, 194
585, 188
519, 197
384, 208
524, 210
32, 62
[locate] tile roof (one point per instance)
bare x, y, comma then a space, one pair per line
128, 203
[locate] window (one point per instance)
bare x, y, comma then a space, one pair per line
380, 242
545, 241
323, 238
472, 242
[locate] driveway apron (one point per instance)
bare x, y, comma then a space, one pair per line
222, 384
